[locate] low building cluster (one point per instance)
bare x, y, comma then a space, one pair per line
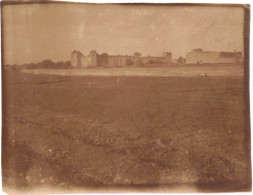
196, 56
93, 59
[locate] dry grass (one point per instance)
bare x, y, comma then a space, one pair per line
85, 131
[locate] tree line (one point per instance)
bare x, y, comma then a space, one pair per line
45, 64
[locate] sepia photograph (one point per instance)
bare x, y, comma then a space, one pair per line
125, 97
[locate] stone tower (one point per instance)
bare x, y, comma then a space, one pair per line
76, 59
167, 56
93, 58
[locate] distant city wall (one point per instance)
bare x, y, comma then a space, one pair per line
208, 57
196, 56
78, 60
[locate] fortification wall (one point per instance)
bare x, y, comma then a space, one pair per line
117, 61
105, 60
228, 60
211, 58
147, 59
85, 62
122, 61
202, 57
93, 59
76, 60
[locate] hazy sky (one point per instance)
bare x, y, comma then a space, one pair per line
33, 33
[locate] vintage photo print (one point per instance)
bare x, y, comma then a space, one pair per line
125, 97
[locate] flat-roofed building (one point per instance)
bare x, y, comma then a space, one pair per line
198, 56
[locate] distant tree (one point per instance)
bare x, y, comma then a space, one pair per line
68, 63
58, 65
180, 60
137, 54
198, 50
14, 67
29, 66
46, 64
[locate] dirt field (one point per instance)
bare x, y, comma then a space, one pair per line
75, 132
171, 71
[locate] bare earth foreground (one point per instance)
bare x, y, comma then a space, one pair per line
73, 132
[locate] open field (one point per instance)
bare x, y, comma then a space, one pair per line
76, 132
176, 70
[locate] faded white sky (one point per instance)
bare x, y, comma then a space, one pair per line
33, 33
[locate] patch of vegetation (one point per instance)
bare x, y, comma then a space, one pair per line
47, 64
